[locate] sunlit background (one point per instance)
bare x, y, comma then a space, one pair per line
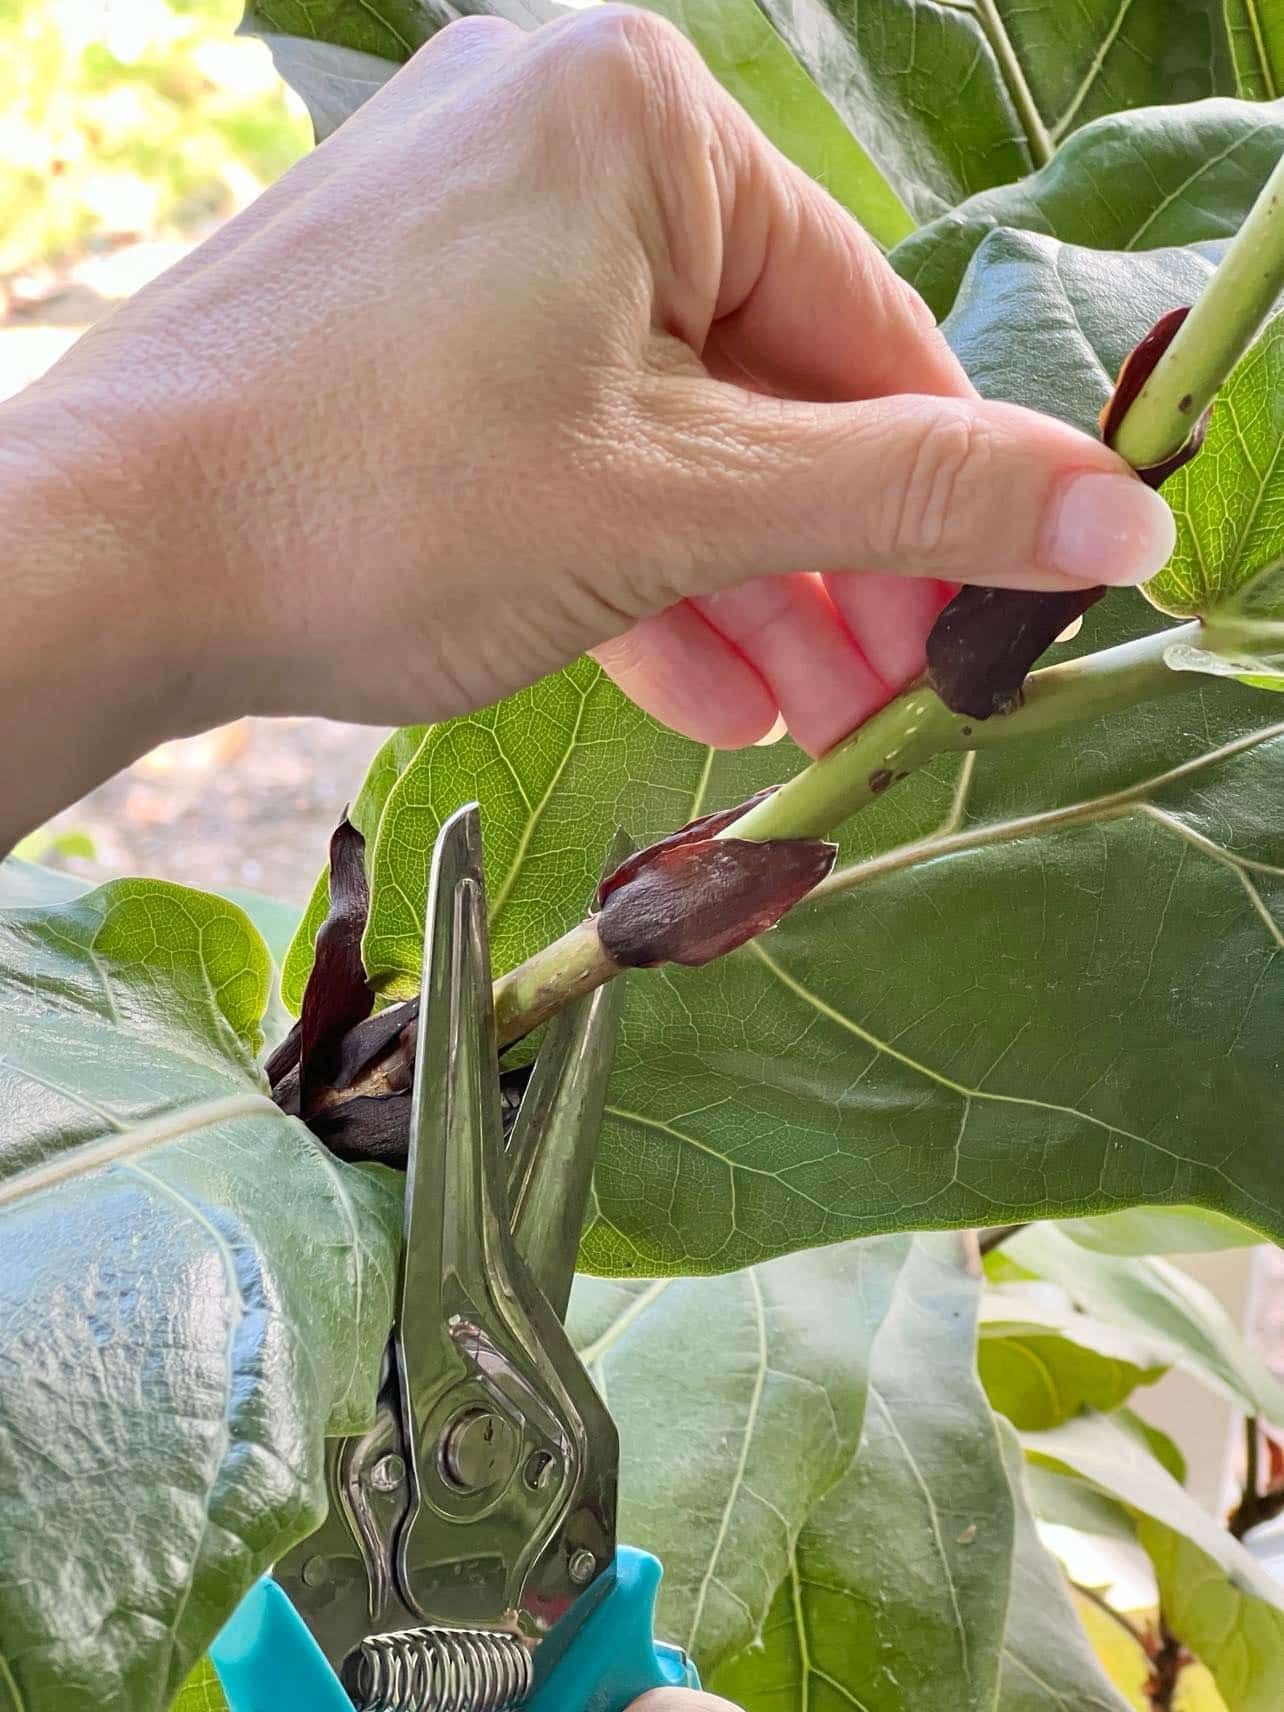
129, 129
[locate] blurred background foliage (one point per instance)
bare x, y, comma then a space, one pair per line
128, 117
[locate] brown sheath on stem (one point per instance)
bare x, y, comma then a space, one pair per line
984, 643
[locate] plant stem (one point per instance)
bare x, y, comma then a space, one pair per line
995, 1238
1125, 1622
917, 726
1219, 329
905, 734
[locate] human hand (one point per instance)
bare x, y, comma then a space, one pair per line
548, 349
681, 1700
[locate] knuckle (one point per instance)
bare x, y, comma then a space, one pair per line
628, 60
944, 463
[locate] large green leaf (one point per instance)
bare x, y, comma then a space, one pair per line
1256, 29
1215, 1596
1042, 1362
1129, 181
1047, 324
1048, 1661
898, 1584
1063, 1000
337, 54
1154, 1299
191, 1294
1159, 1230
739, 1405
1228, 566
951, 99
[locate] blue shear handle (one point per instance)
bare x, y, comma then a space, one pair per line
613, 1659
267, 1660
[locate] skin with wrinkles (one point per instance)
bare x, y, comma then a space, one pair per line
400, 439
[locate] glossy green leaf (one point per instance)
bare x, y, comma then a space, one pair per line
1215, 1596
1137, 181
899, 1581
1159, 1230
191, 1292
951, 99
1153, 1298
1048, 1661
1256, 29
1047, 324
201, 1692
1041, 1363
739, 1402
23, 884
1228, 566
337, 53
1063, 1498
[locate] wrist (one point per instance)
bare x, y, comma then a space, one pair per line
105, 648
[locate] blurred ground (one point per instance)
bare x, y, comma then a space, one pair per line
129, 129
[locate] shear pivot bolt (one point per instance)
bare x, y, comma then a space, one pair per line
582, 1567
387, 1474
479, 1449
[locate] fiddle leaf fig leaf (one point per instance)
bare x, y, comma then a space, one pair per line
772, 1424
1228, 565
1215, 1596
1143, 180
899, 1582
192, 1291
1159, 1230
1256, 30
1151, 1298
1032, 74
1048, 1661
1040, 1365
338, 53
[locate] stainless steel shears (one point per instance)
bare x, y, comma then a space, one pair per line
468, 1562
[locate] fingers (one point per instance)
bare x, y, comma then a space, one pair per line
681, 1700
678, 669
790, 632
889, 618
956, 489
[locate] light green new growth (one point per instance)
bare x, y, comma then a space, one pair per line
1221, 326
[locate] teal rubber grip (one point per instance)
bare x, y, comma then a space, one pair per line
267, 1660
614, 1658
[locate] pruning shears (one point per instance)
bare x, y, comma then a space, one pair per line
468, 1562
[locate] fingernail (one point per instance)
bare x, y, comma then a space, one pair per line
773, 736
1108, 529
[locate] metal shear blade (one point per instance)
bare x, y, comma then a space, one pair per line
485, 1496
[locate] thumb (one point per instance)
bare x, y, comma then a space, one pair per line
955, 488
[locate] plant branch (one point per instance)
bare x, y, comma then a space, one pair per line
994, 1239
1168, 1658
1214, 336
904, 735
1255, 1505
1095, 1597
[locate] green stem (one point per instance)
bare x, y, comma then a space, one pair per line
1214, 336
917, 726
906, 734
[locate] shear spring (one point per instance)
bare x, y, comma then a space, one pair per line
439, 1670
